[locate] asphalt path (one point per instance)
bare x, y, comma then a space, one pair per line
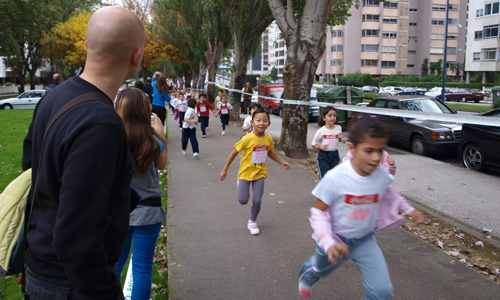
211, 254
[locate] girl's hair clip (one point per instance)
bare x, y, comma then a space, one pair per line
371, 116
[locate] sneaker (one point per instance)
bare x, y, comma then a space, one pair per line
183, 152
304, 290
223, 133
252, 226
203, 135
195, 154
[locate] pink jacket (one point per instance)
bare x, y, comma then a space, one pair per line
384, 163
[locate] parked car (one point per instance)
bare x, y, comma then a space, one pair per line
313, 107
436, 91
480, 145
255, 97
369, 89
411, 91
27, 100
462, 95
390, 90
423, 137
270, 90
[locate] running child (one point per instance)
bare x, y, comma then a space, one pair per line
326, 141
247, 124
225, 110
351, 205
189, 128
173, 102
182, 106
256, 147
203, 106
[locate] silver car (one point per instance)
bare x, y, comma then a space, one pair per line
27, 100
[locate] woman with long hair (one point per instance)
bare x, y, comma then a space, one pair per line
160, 97
147, 145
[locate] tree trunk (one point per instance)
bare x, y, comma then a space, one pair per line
202, 73
306, 42
214, 56
32, 79
188, 75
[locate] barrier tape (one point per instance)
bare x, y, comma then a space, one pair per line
477, 120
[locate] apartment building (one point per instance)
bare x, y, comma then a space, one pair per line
483, 39
394, 37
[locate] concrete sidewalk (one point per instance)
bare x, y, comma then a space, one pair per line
213, 256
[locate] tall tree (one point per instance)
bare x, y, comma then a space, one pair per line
424, 68
274, 74
303, 25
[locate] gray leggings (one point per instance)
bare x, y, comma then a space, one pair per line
244, 194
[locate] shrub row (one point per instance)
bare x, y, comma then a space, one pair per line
430, 85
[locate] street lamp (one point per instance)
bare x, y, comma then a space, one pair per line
445, 51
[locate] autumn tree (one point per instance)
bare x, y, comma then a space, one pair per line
303, 25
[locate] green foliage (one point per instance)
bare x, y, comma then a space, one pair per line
358, 79
338, 14
372, 96
274, 74
37, 79
9, 84
424, 68
468, 107
430, 85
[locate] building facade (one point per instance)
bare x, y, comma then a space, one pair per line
483, 39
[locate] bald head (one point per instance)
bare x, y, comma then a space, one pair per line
113, 34
57, 78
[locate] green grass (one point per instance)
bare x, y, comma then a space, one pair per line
15, 124
7, 97
469, 107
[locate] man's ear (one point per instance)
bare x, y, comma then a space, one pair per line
137, 57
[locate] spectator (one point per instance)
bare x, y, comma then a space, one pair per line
56, 80
139, 85
148, 88
247, 99
83, 201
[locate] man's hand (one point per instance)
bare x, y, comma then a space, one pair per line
337, 251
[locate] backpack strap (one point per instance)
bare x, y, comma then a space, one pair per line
90, 96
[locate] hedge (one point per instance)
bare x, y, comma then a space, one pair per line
430, 85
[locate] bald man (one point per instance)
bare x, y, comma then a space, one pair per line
56, 80
83, 197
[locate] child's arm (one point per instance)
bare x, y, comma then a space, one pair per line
323, 234
278, 159
320, 147
229, 160
342, 140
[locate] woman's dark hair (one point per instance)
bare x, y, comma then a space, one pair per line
134, 107
326, 110
260, 111
139, 84
192, 102
161, 84
365, 126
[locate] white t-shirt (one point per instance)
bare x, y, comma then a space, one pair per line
248, 122
353, 199
190, 115
224, 110
328, 137
183, 105
173, 102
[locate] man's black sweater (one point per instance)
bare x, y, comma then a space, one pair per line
82, 207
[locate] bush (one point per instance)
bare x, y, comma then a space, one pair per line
357, 79
28, 80
430, 85
9, 84
372, 96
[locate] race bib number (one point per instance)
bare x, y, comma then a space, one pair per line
259, 155
203, 109
183, 106
224, 111
331, 141
360, 209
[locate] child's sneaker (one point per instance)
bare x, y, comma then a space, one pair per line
195, 154
304, 290
183, 152
252, 226
223, 133
203, 135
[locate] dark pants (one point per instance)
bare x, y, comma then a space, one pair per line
203, 123
327, 160
161, 112
189, 134
244, 106
224, 120
181, 117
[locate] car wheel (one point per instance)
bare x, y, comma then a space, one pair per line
476, 101
473, 157
7, 106
464, 99
418, 146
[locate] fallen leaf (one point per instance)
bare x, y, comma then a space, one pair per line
440, 244
454, 253
480, 244
281, 202
487, 230
171, 206
272, 194
429, 188
209, 164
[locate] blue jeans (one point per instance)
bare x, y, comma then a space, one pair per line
42, 288
203, 123
369, 258
327, 160
143, 251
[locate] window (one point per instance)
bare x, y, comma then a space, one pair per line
451, 50
413, 9
369, 62
437, 36
369, 32
439, 7
490, 31
388, 49
413, 24
390, 20
437, 51
388, 4
412, 51
453, 7
478, 35
337, 48
390, 34
371, 3
496, 7
487, 9
452, 21
410, 66
438, 22
281, 62
337, 33
369, 48
371, 18
476, 56
336, 63
479, 13
450, 64
388, 64
489, 54
452, 36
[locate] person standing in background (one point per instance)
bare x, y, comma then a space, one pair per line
247, 99
56, 80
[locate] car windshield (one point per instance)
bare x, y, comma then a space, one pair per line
425, 105
276, 94
24, 95
434, 90
409, 90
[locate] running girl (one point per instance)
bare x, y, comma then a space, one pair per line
225, 110
326, 141
349, 208
204, 115
256, 147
